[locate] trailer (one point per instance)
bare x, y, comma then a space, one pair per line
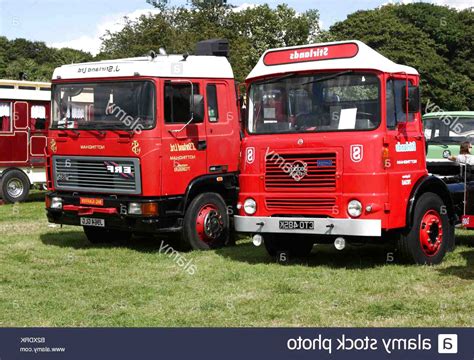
146, 145
334, 152
24, 122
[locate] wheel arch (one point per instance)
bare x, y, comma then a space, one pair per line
222, 184
430, 184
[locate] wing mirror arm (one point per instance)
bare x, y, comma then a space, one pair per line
184, 126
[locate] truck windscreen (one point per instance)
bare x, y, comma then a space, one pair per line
124, 105
449, 130
338, 101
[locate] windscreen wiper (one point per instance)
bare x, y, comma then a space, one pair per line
329, 77
273, 80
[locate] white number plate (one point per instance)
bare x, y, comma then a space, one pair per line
92, 222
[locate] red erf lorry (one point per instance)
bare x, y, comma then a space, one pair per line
24, 121
334, 151
145, 146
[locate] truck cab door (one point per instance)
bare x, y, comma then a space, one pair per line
406, 148
183, 135
222, 127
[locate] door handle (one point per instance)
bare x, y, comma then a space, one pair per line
202, 145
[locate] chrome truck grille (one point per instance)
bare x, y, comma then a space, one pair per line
319, 173
102, 175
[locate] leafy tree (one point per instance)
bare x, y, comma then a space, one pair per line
34, 58
435, 40
250, 31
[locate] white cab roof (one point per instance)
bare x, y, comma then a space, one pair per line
25, 90
172, 66
339, 55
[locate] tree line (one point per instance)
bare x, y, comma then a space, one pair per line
436, 40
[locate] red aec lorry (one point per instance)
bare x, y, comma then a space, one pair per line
334, 151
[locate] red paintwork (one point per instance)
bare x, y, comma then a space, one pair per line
314, 53
468, 222
21, 144
387, 190
165, 171
83, 210
209, 216
431, 233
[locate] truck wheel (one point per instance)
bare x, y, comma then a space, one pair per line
206, 223
428, 239
104, 236
15, 186
278, 243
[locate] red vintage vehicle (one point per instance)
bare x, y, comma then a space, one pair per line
24, 120
145, 146
334, 151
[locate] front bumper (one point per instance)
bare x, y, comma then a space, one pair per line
168, 221
322, 226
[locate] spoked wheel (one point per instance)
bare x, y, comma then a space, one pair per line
428, 239
431, 232
206, 223
15, 186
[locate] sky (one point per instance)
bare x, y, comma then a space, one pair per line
79, 24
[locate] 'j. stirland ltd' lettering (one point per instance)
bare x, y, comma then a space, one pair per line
182, 147
309, 54
133, 124
96, 69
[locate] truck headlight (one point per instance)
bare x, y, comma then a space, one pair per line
145, 209
134, 209
250, 206
56, 203
354, 208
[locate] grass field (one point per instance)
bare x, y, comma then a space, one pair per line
54, 277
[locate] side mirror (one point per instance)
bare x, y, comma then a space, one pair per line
197, 108
413, 99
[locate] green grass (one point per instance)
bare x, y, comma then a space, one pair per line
54, 277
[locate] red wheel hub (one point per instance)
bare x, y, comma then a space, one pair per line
431, 232
209, 223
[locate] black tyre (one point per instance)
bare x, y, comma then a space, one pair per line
206, 223
294, 245
15, 186
427, 242
104, 236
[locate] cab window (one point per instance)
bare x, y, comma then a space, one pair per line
5, 117
178, 103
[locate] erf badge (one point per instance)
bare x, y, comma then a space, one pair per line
357, 153
52, 146
136, 147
